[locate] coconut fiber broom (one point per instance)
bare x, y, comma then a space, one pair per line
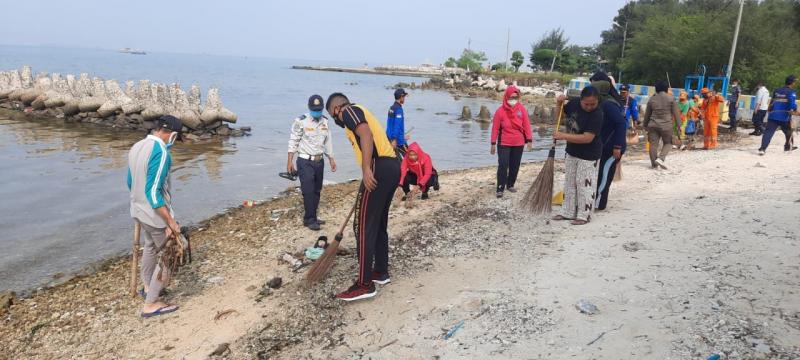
322, 265
539, 198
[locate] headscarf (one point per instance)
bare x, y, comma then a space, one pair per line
603, 84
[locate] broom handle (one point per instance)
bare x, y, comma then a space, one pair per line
137, 230
347, 220
558, 123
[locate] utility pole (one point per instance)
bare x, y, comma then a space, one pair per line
622, 55
508, 46
469, 44
735, 39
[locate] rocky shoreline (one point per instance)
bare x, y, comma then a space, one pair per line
227, 304
538, 96
104, 102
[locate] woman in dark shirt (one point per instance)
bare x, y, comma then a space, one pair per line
584, 121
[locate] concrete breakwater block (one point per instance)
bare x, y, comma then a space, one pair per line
93, 99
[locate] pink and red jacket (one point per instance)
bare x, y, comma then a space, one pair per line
511, 124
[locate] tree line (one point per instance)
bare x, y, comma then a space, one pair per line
673, 38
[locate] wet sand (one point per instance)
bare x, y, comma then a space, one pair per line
697, 259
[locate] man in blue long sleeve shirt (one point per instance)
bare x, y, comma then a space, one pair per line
781, 109
395, 122
630, 107
733, 103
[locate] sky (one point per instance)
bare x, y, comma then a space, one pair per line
372, 32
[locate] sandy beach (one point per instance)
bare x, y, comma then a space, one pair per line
686, 262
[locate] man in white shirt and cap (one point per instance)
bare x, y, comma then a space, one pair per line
311, 140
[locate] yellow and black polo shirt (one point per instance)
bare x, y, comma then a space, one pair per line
356, 115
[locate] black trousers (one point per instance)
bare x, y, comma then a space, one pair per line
758, 120
508, 160
310, 173
605, 176
411, 179
372, 219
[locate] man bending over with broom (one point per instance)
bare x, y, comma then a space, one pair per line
380, 169
149, 162
583, 123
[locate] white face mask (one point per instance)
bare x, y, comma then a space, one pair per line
513, 102
172, 138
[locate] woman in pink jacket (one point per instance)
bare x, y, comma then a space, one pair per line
512, 130
417, 170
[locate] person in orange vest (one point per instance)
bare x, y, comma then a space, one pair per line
710, 110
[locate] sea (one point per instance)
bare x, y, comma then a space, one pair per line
64, 201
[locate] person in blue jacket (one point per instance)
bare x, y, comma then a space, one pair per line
612, 136
395, 122
630, 107
781, 109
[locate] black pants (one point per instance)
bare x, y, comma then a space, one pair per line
771, 127
411, 179
372, 218
508, 160
732, 110
605, 176
758, 120
310, 173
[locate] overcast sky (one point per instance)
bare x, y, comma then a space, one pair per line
377, 32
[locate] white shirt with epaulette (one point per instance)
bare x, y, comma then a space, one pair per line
311, 137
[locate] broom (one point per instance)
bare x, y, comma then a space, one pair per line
539, 197
321, 266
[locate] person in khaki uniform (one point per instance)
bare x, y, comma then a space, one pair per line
661, 116
311, 141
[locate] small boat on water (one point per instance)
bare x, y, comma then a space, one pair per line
132, 51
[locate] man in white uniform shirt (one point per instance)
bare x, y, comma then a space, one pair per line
311, 140
762, 105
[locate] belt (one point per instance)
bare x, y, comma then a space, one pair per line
310, 157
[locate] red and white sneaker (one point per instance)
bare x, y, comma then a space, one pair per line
380, 278
358, 292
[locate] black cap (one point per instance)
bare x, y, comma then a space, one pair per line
399, 93
315, 103
790, 79
169, 122
624, 88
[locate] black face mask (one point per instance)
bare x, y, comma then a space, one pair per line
338, 122
336, 118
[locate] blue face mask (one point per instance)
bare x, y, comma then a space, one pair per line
316, 114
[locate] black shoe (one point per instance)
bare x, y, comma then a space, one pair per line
436, 185
320, 222
425, 196
499, 194
313, 226
512, 189
756, 133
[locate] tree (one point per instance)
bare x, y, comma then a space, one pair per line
500, 67
542, 58
675, 37
469, 60
554, 41
517, 59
